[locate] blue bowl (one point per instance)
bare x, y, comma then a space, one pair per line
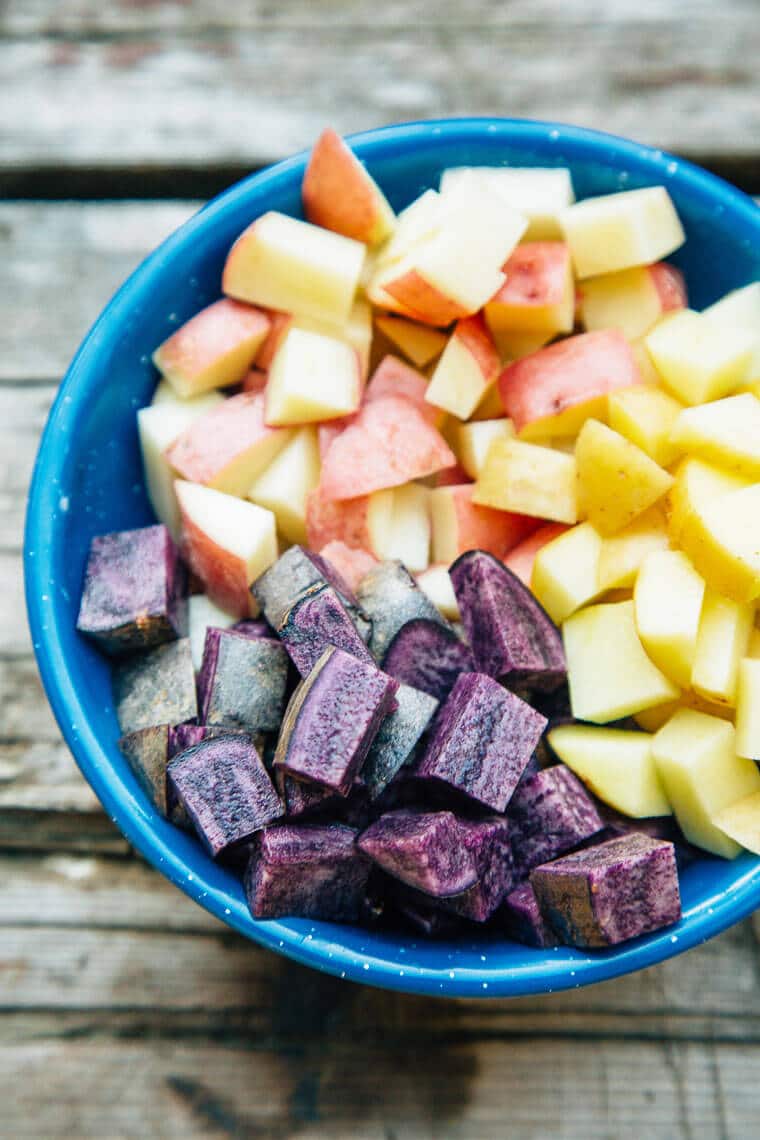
88, 480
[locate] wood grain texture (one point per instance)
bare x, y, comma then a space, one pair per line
684, 84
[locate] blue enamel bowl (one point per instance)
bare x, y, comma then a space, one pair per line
88, 480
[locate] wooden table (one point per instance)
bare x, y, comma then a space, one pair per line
126, 1010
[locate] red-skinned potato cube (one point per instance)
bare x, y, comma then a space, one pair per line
468, 366
330, 521
393, 377
538, 294
459, 525
340, 195
351, 563
214, 348
520, 558
554, 389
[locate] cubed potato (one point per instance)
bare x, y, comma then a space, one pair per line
697, 361
356, 331
459, 524
393, 377
522, 557
667, 604
401, 525
740, 822
723, 541
436, 583
203, 614
468, 365
339, 194
539, 193
724, 432
617, 481
618, 231
632, 300
724, 631
213, 349
748, 709
646, 416
554, 391
528, 480
490, 406
697, 762
608, 670
471, 441
696, 484
295, 267
652, 720
285, 485
566, 572
617, 765
419, 343
539, 292
623, 553
158, 426
312, 377
740, 309
350, 562
513, 345
361, 522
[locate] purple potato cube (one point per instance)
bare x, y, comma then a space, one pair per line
156, 687
656, 827
307, 871
423, 849
512, 636
296, 573
315, 621
243, 681
520, 917
427, 656
226, 790
607, 894
489, 843
390, 597
397, 738
551, 813
135, 591
147, 752
482, 740
305, 799
183, 736
332, 719
254, 628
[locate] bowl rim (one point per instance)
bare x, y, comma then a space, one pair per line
563, 969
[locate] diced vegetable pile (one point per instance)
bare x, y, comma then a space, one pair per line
466, 637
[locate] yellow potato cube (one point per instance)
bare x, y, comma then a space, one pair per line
539, 193
312, 377
490, 406
646, 416
529, 480
608, 670
616, 479
724, 631
696, 484
617, 766
512, 345
697, 762
468, 366
740, 822
284, 486
740, 309
622, 553
436, 583
472, 440
697, 361
726, 536
628, 300
419, 343
566, 572
402, 527
668, 603
725, 432
618, 231
748, 708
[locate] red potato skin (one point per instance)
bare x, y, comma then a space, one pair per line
350, 562
452, 477
422, 301
210, 335
202, 452
521, 558
330, 521
389, 443
338, 194
475, 337
670, 285
536, 275
393, 377
482, 528
254, 381
223, 575
570, 372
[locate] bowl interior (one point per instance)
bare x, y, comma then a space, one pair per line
88, 480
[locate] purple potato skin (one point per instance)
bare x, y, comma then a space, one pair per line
296, 573
520, 917
332, 719
147, 752
255, 628
512, 636
307, 871
135, 591
427, 656
550, 813
243, 681
489, 843
226, 790
482, 740
391, 598
425, 850
157, 687
607, 894
314, 622
397, 738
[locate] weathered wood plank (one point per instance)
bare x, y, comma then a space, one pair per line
684, 84
372, 1090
